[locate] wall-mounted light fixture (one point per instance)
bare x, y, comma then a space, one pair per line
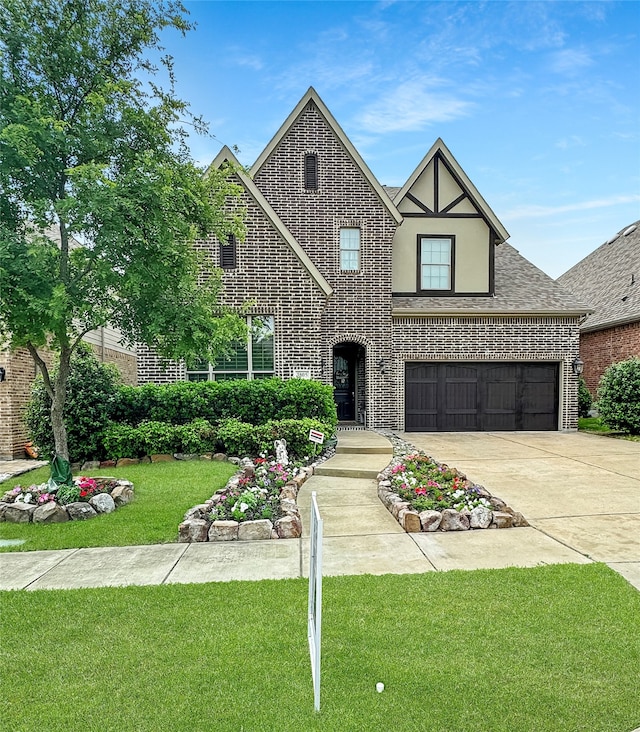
381, 366
3, 373
577, 365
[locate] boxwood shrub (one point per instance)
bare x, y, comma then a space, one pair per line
151, 438
255, 402
241, 438
619, 396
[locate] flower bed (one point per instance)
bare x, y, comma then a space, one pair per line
259, 502
85, 499
425, 495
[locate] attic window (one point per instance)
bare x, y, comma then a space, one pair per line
311, 172
228, 253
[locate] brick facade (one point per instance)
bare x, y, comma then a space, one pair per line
309, 325
600, 348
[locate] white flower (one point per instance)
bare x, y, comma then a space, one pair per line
28, 497
244, 506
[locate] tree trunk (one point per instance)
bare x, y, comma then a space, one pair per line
57, 405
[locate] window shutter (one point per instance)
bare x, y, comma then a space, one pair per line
311, 171
228, 253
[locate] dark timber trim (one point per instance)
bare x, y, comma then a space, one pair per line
454, 203
418, 203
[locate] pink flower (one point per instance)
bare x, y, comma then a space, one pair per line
421, 491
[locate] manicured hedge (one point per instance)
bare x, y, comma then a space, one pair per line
241, 438
619, 396
255, 402
152, 438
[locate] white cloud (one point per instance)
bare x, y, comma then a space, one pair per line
535, 212
570, 61
412, 106
570, 141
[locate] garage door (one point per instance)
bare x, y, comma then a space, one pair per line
485, 397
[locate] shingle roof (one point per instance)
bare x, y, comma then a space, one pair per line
520, 288
392, 191
609, 278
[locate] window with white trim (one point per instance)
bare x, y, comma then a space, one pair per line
435, 262
350, 249
253, 360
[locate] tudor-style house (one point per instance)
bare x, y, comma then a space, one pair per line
408, 301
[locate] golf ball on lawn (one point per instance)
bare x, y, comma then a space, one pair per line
379, 687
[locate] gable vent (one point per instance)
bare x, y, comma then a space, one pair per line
228, 253
311, 171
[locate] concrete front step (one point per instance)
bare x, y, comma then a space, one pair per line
365, 449
350, 465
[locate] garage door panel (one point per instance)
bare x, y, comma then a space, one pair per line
446, 396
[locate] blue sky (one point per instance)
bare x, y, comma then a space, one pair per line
538, 101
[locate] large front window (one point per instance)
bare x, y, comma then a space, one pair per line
253, 360
436, 263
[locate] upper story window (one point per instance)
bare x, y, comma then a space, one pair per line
350, 249
228, 253
254, 359
435, 263
311, 172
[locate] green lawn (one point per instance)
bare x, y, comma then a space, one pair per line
163, 492
554, 648
595, 424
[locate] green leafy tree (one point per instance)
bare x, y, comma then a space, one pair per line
619, 396
93, 147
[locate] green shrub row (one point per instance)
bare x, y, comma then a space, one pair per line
619, 396
199, 436
256, 401
241, 438
152, 438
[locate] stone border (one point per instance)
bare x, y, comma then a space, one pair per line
198, 527
413, 522
55, 513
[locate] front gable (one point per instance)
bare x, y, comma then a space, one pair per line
440, 204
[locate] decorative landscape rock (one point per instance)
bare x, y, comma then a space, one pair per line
80, 511
498, 515
125, 462
50, 513
287, 526
103, 503
23, 508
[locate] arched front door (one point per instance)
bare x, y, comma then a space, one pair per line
348, 381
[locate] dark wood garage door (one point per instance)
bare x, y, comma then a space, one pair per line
480, 397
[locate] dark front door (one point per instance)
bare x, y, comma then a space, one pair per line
344, 382
467, 397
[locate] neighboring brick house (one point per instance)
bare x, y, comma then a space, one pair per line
609, 279
407, 300
20, 372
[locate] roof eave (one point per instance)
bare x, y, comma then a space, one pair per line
418, 313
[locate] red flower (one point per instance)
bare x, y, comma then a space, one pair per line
83, 494
421, 491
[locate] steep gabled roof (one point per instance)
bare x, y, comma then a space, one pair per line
312, 96
521, 289
225, 155
609, 278
440, 149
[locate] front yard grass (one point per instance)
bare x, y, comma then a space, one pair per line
595, 425
162, 494
549, 649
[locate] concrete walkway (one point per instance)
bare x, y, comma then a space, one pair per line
557, 480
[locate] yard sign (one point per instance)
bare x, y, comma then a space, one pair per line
314, 624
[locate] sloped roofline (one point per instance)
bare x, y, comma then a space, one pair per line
226, 155
312, 95
484, 208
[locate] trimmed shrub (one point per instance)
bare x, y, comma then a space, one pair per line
256, 401
619, 396
585, 400
151, 438
244, 439
92, 390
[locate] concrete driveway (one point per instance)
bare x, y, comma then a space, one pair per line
582, 490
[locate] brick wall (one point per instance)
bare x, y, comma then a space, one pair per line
359, 310
488, 339
601, 348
